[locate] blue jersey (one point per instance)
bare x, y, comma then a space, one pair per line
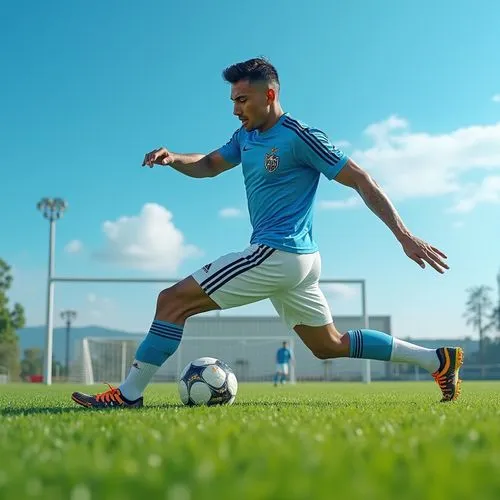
281, 167
283, 356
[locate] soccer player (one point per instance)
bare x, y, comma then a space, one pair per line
283, 358
281, 162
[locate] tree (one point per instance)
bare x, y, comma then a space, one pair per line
10, 321
478, 313
32, 363
495, 315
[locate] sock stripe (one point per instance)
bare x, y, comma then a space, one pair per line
360, 344
356, 349
160, 343
163, 324
352, 343
165, 331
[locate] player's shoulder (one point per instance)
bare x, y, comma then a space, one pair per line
239, 134
299, 129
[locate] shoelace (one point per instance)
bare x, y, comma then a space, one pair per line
111, 395
444, 381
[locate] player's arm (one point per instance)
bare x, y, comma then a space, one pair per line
192, 164
353, 176
199, 165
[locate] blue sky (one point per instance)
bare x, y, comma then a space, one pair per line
410, 91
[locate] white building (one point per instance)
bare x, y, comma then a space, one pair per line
247, 344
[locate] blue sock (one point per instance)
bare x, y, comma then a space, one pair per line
160, 343
276, 376
370, 344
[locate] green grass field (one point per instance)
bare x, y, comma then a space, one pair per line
308, 441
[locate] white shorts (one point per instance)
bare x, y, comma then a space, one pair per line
282, 368
289, 280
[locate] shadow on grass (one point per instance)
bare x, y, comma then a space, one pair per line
36, 410
276, 405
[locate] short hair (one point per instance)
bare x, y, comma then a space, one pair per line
254, 70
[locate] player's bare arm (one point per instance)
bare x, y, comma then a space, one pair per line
352, 175
192, 164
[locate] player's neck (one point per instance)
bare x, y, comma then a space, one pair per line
274, 116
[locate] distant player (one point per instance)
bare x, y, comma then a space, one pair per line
283, 359
281, 162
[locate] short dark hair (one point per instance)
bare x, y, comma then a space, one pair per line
255, 70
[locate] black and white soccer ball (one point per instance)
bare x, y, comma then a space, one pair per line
207, 381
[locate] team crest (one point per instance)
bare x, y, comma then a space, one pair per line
272, 160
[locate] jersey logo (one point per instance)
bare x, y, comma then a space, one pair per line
207, 267
272, 160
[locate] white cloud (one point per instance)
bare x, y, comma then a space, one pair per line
98, 307
496, 98
350, 202
379, 132
411, 165
149, 241
340, 290
74, 246
230, 212
488, 191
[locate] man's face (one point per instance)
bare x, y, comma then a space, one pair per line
251, 103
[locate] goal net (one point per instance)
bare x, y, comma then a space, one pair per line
246, 338
252, 359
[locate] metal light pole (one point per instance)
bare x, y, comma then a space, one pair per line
52, 209
367, 374
498, 304
68, 316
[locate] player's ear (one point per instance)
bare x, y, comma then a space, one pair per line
271, 95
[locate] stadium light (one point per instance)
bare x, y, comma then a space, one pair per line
52, 209
68, 316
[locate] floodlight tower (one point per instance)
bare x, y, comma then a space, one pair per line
52, 209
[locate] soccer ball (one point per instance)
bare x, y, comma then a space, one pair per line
207, 381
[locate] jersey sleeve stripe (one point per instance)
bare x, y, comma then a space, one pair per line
314, 138
308, 141
323, 152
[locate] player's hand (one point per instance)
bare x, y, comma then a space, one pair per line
161, 156
421, 252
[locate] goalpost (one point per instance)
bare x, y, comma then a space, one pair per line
115, 355
101, 360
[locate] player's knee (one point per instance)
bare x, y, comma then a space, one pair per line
332, 349
321, 354
171, 307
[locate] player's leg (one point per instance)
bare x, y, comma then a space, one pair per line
284, 373
306, 310
174, 305
232, 280
277, 375
443, 364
